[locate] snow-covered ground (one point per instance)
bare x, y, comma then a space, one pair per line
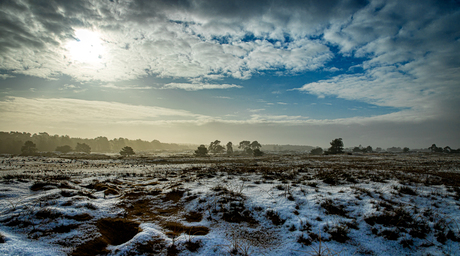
406, 204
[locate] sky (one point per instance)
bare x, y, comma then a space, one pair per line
379, 73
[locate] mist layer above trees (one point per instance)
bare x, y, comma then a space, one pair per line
12, 142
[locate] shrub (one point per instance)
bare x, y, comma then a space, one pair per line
127, 151
331, 208
275, 218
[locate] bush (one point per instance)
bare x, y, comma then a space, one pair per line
257, 152
127, 151
317, 151
201, 151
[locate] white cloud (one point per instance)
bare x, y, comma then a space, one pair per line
6, 76
139, 47
196, 86
256, 110
126, 87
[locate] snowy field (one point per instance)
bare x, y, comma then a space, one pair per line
393, 204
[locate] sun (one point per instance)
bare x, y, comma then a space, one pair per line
87, 47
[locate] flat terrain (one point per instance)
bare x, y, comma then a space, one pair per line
373, 204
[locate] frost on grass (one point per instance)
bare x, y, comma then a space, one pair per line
271, 205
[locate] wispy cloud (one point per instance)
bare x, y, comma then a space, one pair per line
6, 76
126, 87
84, 111
197, 87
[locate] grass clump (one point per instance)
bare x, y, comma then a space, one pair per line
48, 213
275, 218
338, 232
43, 185
334, 209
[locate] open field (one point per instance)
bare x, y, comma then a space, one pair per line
376, 204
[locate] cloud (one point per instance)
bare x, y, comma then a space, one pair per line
63, 110
412, 60
185, 39
223, 97
197, 87
6, 76
126, 87
256, 110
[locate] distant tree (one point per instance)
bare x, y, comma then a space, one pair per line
394, 149
244, 144
378, 149
229, 148
434, 148
447, 149
215, 147
336, 146
29, 148
249, 147
368, 149
127, 151
356, 149
83, 147
64, 149
406, 150
316, 151
257, 152
255, 145
201, 151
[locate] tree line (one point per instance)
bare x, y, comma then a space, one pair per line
247, 147
12, 143
337, 147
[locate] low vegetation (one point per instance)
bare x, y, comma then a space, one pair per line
231, 205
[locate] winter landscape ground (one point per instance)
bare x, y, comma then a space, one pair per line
372, 204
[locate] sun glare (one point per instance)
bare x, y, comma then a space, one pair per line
87, 47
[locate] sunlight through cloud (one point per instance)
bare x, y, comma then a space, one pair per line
87, 47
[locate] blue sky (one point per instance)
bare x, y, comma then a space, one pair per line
380, 73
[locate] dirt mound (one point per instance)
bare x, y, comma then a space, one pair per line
113, 231
117, 231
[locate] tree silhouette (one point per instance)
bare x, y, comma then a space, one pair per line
229, 148
244, 144
29, 148
83, 147
201, 151
434, 148
127, 151
406, 150
249, 147
336, 146
215, 147
255, 145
